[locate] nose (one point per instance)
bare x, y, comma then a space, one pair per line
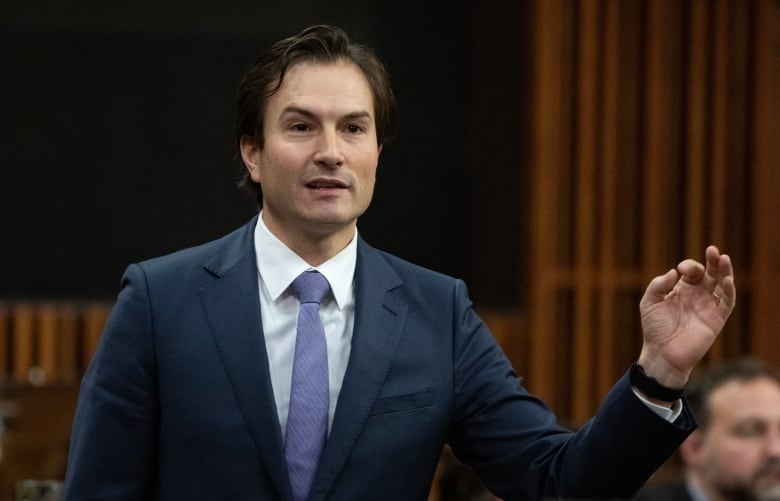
329, 150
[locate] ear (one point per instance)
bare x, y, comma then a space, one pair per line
250, 154
692, 449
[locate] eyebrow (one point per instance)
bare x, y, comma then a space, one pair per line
310, 114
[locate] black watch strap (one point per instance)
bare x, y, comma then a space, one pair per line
650, 387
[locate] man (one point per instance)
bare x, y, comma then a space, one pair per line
735, 454
195, 392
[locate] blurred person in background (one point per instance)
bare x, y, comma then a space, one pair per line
734, 455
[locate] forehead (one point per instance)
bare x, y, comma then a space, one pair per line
737, 400
336, 84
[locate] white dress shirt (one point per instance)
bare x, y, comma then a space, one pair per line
277, 267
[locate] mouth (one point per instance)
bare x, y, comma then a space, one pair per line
771, 475
326, 184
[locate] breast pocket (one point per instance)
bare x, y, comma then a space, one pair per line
402, 403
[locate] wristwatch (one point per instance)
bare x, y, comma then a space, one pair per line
650, 387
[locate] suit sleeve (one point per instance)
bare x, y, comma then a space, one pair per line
513, 442
113, 442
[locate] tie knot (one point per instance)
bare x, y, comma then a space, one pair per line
310, 287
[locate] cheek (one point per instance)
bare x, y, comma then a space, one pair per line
739, 455
279, 155
272, 168
370, 161
367, 182
370, 176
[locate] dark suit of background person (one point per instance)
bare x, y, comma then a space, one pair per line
669, 492
178, 403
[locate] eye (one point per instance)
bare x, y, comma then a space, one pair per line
300, 127
354, 128
750, 429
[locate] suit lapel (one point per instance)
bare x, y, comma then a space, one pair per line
231, 302
379, 321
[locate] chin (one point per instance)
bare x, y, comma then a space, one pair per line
331, 216
326, 224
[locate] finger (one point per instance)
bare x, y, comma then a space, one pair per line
729, 292
726, 284
659, 287
725, 268
719, 266
691, 271
713, 260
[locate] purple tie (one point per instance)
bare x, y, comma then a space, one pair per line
307, 419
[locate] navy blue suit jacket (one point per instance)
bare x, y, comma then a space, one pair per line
177, 402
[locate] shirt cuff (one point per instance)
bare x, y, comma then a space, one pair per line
666, 413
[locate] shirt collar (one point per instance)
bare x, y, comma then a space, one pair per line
278, 265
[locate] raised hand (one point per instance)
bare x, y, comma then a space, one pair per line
682, 313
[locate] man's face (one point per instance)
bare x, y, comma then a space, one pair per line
317, 167
739, 453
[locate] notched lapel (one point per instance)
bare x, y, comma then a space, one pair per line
232, 306
380, 316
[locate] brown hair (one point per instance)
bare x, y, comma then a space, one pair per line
710, 379
322, 44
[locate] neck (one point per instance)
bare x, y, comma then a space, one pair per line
701, 490
315, 247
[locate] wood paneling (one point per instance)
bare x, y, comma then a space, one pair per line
764, 144
654, 134
48, 342
45, 347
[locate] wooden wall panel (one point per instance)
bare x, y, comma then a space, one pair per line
45, 347
22, 329
587, 130
606, 198
48, 342
551, 43
765, 183
5, 344
654, 136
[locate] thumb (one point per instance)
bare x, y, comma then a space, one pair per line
659, 287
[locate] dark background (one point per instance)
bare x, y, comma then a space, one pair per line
116, 134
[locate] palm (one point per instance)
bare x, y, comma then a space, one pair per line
681, 318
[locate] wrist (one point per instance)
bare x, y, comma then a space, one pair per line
657, 367
651, 388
